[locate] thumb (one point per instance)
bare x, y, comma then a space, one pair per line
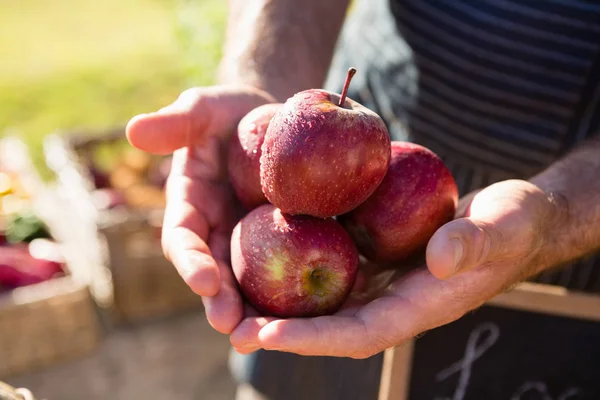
170, 128
197, 114
461, 245
506, 222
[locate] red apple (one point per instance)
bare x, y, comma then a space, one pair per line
323, 154
245, 152
100, 178
417, 196
292, 266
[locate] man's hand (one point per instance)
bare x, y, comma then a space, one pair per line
503, 235
201, 209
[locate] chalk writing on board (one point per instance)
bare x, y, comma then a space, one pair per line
473, 352
481, 339
542, 390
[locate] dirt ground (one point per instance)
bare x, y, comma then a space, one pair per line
178, 358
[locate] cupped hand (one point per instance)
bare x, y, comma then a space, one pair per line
201, 208
501, 236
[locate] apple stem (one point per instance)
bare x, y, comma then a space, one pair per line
351, 73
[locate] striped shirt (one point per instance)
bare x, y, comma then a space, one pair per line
499, 89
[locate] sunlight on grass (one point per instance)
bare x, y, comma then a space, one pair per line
40, 37
84, 64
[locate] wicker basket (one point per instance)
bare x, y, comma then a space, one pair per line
126, 243
42, 324
48, 322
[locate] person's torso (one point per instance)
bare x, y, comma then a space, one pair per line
508, 84
499, 89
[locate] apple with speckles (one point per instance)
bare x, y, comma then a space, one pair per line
323, 154
417, 196
244, 155
292, 266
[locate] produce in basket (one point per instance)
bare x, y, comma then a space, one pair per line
24, 227
27, 253
18, 266
100, 178
125, 178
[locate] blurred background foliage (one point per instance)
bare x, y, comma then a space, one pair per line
87, 64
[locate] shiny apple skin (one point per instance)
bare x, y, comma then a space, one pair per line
417, 196
292, 266
320, 159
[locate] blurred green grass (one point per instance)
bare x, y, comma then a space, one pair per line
83, 64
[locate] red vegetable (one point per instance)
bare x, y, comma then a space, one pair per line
19, 268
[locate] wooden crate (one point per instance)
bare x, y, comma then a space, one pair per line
48, 322
527, 302
126, 241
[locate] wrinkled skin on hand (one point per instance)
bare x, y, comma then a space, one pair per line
499, 237
201, 208
502, 234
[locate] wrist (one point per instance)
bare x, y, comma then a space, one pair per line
263, 95
230, 73
278, 86
554, 222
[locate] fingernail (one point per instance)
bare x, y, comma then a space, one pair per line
207, 303
458, 252
245, 349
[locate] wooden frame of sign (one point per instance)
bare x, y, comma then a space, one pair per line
533, 297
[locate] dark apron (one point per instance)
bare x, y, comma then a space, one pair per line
414, 91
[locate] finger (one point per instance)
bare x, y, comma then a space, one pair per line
192, 259
464, 204
196, 115
245, 336
461, 245
225, 310
503, 225
176, 126
183, 241
321, 336
220, 242
196, 179
244, 351
414, 303
371, 329
196, 205
351, 307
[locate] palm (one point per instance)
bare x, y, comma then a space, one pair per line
197, 230
201, 209
500, 227
417, 301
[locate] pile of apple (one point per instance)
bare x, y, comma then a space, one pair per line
322, 183
28, 254
133, 179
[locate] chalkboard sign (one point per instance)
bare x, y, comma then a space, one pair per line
535, 343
